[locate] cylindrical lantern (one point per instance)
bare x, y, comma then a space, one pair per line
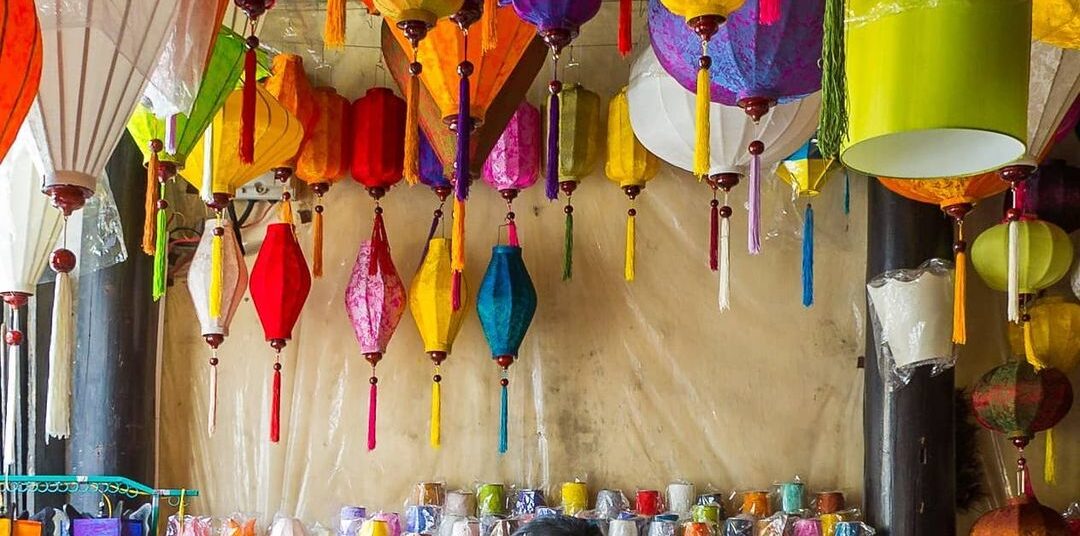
289, 85
375, 301
514, 162
325, 158
1022, 257
580, 132
629, 165
1023, 516
215, 320
505, 304
913, 119
280, 283
431, 304
806, 171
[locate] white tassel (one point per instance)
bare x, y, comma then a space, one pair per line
9, 412
61, 346
211, 418
206, 191
1014, 271
725, 265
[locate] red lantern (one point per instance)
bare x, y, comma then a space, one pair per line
280, 282
378, 140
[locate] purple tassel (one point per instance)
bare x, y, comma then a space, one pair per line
170, 134
431, 234
755, 205
464, 133
552, 177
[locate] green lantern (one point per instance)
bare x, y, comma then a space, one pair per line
936, 90
1044, 256
580, 142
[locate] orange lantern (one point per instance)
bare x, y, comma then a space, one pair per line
289, 85
325, 157
20, 63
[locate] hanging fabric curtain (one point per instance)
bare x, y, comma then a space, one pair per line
580, 132
325, 158
630, 166
289, 85
806, 171
20, 65
74, 140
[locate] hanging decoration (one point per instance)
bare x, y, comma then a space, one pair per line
514, 163
1046, 340
20, 63
215, 319
75, 145
248, 115
280, 283
580, 132
946, 136
325, 158
375, 301
630, 166
1056, 22
506, 304
289, 85
433, 175
751, 65
558, 23
806, 170
667, 135
1053, 194
436, 319
29, 227
1022, 516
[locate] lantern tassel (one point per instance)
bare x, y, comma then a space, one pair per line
1050, 463
504, 416
457, 263
1029, 348
217, 261
61, 345
702, 127
275, 404
568, 245
247, 111
436, 413
317, 247
211, 410
847, 193
435, 219
412, 130
10, 401
551, 177
724, 298
148, 242
161, 253
714, 235
490, 37
1014, 271
334, 30
808, 257
754, 227
512, 234
768, 12
960, 290
464, 141
286, 215
170, 134
631, 238
833, 125
626, 29
373, 407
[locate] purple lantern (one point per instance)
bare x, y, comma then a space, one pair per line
558, 23
753, 66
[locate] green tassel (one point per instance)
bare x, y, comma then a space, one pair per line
161, 253
832, 130
568, 248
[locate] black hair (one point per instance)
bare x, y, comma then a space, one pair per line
558, 526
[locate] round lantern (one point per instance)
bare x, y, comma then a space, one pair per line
806, 171
289, 85
580, 132
912, 119
514, 162
325, 158
630, 166
20, 61
1047, 339
430, 301
1056, 22
215, 316
1023, 516
1041, 256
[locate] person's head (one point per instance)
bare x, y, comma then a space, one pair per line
558, 526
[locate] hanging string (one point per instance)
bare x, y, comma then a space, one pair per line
629, 268
275, 402
170, 134
511, 227
247, 111
626, 27
334, 29
436, 218
317, 247
960, 286
217, 266
457, 261
489, 19
464, 124
551, 180
702, 127
568, 234
1013, 216
808, 257
436, 409
61, 345
13, 338
847, 193
768, 12
754, 227
833, 124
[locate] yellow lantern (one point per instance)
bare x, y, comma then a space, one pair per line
806, 171
1049, 338
630, 165
1056, 22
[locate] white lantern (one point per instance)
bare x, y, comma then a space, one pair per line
1053, 88
175, 78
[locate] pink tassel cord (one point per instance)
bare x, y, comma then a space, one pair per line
513, 234
714, 235
275, 408
373, 403
455, 290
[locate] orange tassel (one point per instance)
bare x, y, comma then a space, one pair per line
149, 245
457, 243
490, 38
412, 131
317, 248
334, 30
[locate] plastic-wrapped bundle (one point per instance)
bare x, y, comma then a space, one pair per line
610, 503
527, 501
349, 520
681, 497
422, 519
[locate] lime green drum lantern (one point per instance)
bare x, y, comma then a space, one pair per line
936, 88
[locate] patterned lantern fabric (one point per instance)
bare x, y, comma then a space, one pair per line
630, 166
20, 65
1015, 400
806, 171
1045, 255
1049, 338
1056, 22
280, 283
514, 162
580, 147
378, 138
1023, 516
325, 158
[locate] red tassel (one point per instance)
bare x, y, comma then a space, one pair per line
275, 408
626, 30
512, 233
373, 403
768, 12
455, 290
247, 112
714, 236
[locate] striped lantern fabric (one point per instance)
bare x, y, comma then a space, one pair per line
1015, 400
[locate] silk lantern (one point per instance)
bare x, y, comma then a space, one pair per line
289, 85
375, 301
280, 283
166, 143
752, 66
806, 170
20, 63
325, 158
1021, 257
558, 23
580, 131
436, 319
214, 320
249, 114
1056, 22
974, 48
514, 162
1022, 516
505, 304
29, 227
630, 166
1047, 339
667, 135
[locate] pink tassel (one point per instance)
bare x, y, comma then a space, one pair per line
373, 403
714, 236
512, 231
455, 290
768, 12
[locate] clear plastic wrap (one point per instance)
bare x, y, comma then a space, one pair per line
102, 231
174, 80
610, 503
912, 312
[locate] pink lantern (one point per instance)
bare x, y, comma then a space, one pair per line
514, 163
375, 301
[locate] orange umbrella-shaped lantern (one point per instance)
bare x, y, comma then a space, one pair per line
289, 85
325, 157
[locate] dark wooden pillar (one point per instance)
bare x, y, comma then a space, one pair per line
909, 456
114, 391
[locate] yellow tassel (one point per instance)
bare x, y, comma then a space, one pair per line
436, 413
457, 237
334, 31
1029, 348
149, 245
317, 248
959, 297
490, 38
1049, 469
217, 261
701, 147
412, 132
286, 212
631, 237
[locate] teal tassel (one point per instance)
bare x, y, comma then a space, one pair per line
808, 257
161, 253
568, 247
504, 420
847, 193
